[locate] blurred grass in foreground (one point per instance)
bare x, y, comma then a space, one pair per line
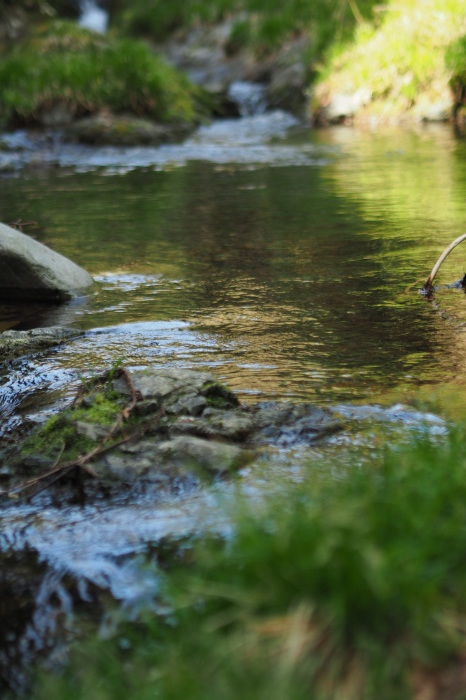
347, 588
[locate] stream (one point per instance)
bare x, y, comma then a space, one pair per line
285, 260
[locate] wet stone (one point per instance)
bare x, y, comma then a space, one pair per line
165, 427
286, 424
232, 425
192, 405
214, 456
91, 431
117, 130
18, 343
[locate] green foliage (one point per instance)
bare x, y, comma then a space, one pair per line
264, 24
61, 63
336, 589
399, 59
455, 60
158, 18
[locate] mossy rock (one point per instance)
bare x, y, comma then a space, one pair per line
167, 427
113, 130
17, 343
122, 444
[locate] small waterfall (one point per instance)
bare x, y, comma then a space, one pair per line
93, 17
250, 97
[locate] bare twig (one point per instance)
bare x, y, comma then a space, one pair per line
428, 285
19, 224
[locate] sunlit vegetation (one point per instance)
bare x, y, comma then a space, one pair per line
261, 24
406, 57
455, 60
62, 64
347, 588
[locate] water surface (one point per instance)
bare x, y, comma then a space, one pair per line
288, 260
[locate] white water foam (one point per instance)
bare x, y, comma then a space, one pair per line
93, 17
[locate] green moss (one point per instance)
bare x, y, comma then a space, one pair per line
219, 396
100, 408
61, 63
59, 436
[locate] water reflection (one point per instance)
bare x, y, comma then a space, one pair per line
296, 281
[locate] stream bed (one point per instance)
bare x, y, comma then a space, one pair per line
286, 261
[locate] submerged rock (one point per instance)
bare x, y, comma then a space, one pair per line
285, 424
17, 343
29, 271
169, 427
117, 130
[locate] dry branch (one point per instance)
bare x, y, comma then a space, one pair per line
428, 285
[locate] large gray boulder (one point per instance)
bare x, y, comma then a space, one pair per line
29, 271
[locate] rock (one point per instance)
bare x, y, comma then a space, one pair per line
205, 55
344, 106
29, 271
58, 114
289, 78
179, 458
197, 453
285, 424
287, 90
17, 343
202, 54
178, 390
435, 110
118, 467
93, 432
113, 130
233, 425
169, 427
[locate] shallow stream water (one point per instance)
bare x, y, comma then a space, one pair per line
286, 260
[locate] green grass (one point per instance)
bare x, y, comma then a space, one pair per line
60, 63
338, 588
400, 60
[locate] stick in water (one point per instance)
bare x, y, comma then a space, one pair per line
427, 287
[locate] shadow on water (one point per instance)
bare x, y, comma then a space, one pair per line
287, 263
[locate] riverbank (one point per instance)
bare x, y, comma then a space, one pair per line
369, 64
364, 63
409, 65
